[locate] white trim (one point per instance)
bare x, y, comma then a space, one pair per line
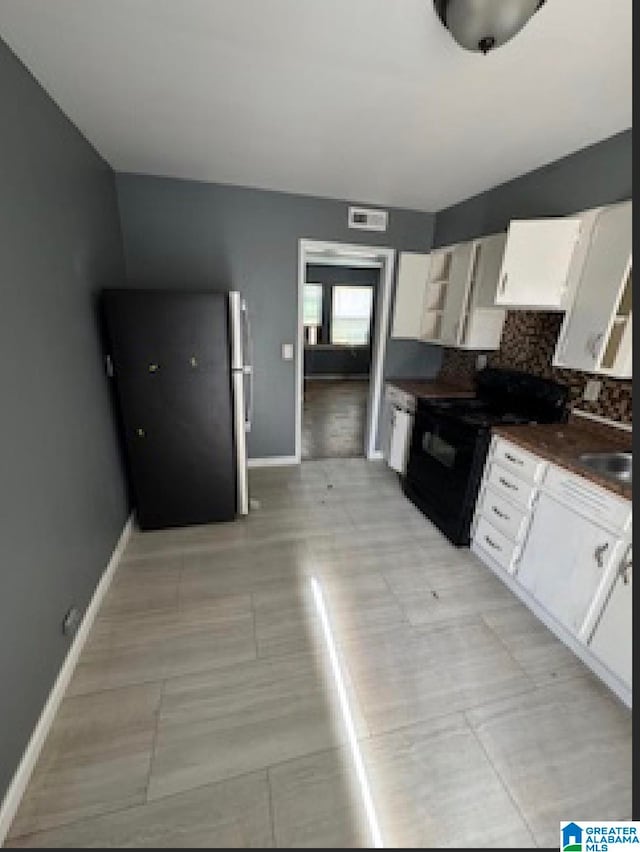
29, 759
315, 251
338, 260
376, 455
616, 424
274, 461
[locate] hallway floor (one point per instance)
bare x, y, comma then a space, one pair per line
204, 711
334, 417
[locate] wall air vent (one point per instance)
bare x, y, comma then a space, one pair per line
365, 219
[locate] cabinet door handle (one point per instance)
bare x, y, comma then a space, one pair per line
624, 569
500, 514
592, 344
508, 484
492, 543
503, 282
599, 553
513, 459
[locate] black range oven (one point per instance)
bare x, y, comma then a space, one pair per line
451, 437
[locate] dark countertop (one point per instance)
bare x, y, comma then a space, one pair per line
431, 388
562, 443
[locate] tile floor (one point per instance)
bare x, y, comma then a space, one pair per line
203, 711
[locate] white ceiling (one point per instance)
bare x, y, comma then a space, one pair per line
368, 100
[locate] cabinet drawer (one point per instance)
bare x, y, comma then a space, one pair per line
505, 483
519, 461
503, 515
492, 541
596, 503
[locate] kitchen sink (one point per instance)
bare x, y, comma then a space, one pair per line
616, 466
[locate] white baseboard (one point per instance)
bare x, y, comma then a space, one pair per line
274, 461
376, 455
22, 775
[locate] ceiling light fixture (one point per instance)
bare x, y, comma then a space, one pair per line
482, 25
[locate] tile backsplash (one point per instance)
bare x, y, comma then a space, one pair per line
528, 341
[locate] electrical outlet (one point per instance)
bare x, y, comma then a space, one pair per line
591, 390
481, 362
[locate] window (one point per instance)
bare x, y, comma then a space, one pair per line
351, 315
312, 304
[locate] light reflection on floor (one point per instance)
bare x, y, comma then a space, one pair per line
347, 715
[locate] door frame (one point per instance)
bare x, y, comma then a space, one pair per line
349, 254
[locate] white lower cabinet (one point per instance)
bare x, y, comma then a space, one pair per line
511, 486
503, 515
564, 561
562, 544
611, 641
500, 546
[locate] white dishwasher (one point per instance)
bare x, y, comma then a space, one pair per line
399, 408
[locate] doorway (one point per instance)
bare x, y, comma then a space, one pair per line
338, 315
343, 310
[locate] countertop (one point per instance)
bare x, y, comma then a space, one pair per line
430, 388
562, 443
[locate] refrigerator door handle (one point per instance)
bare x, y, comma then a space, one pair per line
239, 413
235, 322
242, 479
248, 362
248, 371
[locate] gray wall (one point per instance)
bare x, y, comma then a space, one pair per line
62, 501
336, 361
599, 174
198, 235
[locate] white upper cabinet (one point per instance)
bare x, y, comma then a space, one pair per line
436, 294
413, 270
482, 322
536, 263
596, 333
456, 292
448, 297
459, 305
